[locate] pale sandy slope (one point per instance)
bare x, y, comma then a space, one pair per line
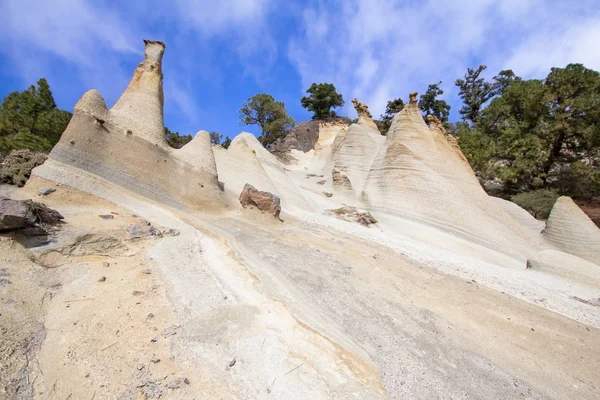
307, 311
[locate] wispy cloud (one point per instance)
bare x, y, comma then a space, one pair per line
378, 50
375, 50
92, 39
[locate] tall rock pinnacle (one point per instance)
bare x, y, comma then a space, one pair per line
364, 116
140, 107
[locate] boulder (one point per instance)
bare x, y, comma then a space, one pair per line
15, 214
46, 191
265, 201
303, 138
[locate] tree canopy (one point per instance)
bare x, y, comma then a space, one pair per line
541, 134
270, 115
226, 142
431, 105
215, 138
475, 91
175, 140
322, 98
31, 120
392, 108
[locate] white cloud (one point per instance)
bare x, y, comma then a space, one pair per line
576, 43
98, 42
378, 50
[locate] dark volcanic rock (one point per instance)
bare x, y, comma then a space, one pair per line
15, 214
303, 137
265, 201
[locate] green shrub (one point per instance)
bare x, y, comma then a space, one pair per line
538, 203
24, 140
579, 180
17, 166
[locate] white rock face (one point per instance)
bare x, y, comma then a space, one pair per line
419, 175
572, 231
126, 145
140, 107
433, 300
566, 266
356, 153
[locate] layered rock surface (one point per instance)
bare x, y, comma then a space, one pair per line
572, 231
319, 307
354, 155
419, 174
126, 145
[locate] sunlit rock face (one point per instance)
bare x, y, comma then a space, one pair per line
125, 145
572, 231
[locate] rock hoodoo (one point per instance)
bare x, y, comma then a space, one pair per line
364, 116
140, 107
126, 146
420, 175
572, 231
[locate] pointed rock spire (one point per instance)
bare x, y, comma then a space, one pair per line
140, 108
364, 116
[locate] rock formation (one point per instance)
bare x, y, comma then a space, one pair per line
436, 125
265, 201
419, 175
126, 146
247, 161
569, 229
140, 107
15, 214
302, 137
364, 116
322, 304
355, 151
306, 136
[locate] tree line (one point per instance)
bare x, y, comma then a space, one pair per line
519, 134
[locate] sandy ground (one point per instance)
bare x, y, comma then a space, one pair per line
242, 306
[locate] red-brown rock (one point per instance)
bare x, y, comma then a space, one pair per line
264, 201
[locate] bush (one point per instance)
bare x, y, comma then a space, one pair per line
538, 203
17, 166
24, 140
579, 180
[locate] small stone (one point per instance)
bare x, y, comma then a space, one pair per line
141, 396
106, 216
46, 191
72, 141
150, 316
103, 279
155, 360
186, 381
137, 293
321, 182
146, 271
232, 362
105, 264
176, 383
140, 367
327, 194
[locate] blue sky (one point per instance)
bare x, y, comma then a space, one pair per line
221, 52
